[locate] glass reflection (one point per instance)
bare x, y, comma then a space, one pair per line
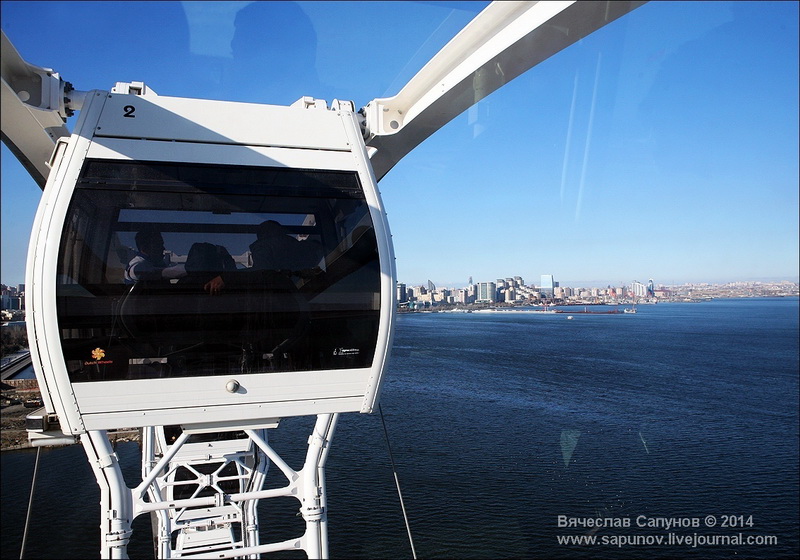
190, 270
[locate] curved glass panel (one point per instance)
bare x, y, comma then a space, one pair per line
172, 270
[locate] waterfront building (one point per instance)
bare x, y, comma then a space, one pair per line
12, 298
472, 293
425, 298
638, 290
525, 292
487, 292
402, 293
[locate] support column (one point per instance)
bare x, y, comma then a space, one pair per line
313, 487
116, 505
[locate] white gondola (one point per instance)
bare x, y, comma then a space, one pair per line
218, 266
278, 204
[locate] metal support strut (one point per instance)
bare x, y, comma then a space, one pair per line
203, 484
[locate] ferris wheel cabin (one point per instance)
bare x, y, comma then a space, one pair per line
209, 263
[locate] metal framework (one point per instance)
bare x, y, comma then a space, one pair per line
203, 493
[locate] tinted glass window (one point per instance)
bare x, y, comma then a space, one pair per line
183, 270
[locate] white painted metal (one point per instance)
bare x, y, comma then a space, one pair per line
502, 42
33, 114
122, 149
201, 529
117, 404
41, 302
203, 121
202, 526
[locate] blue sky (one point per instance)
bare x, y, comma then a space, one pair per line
663, 146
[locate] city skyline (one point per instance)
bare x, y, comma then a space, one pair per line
616, 285
565, 283
515, 292
664, 145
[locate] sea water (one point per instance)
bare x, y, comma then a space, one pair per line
681, 419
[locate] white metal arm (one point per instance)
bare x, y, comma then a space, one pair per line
33, 111
502, 42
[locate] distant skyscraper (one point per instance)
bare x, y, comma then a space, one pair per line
548, 285
431, 286
651, 291
402, 293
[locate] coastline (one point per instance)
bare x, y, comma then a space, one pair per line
16, 392
567, 307
14, 436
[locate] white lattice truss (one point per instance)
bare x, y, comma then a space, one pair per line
203, 489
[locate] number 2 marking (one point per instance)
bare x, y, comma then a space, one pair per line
129, 110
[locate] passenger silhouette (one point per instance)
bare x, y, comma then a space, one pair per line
276, 250
206, 264
280, 317
152, 264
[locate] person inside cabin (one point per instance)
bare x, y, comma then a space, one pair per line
206, 264
151, 264
280, 322
277, 250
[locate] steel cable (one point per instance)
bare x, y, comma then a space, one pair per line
397, 484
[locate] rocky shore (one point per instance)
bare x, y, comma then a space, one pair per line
18, 400
14, 410
13, 434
